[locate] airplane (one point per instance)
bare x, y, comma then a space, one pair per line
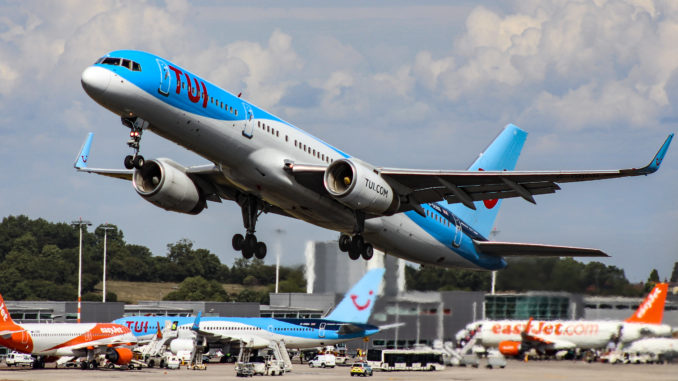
515, 337
346, 322
663, 348
267, 165
87, 340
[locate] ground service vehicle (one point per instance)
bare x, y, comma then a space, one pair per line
19, 359
361, 369
405, 359
323, 361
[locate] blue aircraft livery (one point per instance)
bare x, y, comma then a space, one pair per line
268, 165
346, 322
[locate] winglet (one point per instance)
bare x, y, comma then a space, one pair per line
196, 323
657, 160
83, 156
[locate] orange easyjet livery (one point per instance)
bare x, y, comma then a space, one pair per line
514, 337
66, 339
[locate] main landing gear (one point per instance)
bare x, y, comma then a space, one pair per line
356, 246
136, 126
251, 210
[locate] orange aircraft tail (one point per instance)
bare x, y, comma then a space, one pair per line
6, 322
651, 310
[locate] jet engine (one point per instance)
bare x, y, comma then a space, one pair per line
164, 183
360, 187
181, 345
119, 356
510, 348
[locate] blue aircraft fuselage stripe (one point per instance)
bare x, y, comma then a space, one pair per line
284, 327
445, 235
149, 82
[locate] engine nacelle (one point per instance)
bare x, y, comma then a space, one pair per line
360, 187
510, 348
181, 345
164, 183
119, 356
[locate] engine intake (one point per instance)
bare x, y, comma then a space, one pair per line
119, 356
164, 183
360, 187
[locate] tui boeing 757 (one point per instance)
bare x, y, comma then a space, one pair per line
268, 165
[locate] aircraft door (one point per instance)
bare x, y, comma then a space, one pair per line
24, 337
165, 78
249, 121
321, 330
458, 232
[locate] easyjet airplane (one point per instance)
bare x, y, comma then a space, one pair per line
66, 339
346, 322
514, 337
268, 165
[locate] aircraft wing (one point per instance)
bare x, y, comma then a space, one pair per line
416, 187
512, 249
209, 178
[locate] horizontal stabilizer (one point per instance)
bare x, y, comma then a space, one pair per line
512, 249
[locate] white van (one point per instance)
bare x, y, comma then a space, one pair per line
19, 359
323, 361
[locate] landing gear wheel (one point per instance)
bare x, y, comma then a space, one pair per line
247, 253
260, 250
138, 161
83, 365
237, 242
358, 244
368, 252
92, 365
129, 161
250, 242
344, 243
353, 254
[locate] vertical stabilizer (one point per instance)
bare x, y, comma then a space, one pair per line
357, 304
501, 155
651, 310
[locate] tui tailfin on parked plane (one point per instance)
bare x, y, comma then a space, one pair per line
357, 304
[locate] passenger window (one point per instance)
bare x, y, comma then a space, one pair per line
236, 112
287, 138
277, 133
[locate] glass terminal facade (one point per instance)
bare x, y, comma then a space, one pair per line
540, 306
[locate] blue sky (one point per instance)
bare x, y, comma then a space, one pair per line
394, 83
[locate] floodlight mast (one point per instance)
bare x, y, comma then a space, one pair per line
106, 228
79, 223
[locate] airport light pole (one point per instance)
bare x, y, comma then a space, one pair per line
278, 250
106, 228
79, 223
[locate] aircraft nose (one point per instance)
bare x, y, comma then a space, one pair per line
95, 80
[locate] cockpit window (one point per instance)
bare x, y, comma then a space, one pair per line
129, 64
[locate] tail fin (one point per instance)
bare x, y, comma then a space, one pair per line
83, 156
651, 310
501, 154
357, 304
6, 322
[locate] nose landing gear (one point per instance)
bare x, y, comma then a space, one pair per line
136, 126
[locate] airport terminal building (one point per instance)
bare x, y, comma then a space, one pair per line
426, 316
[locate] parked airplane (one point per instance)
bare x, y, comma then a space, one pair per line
662, 348
66, 339
346, 322
514, 337
266, 164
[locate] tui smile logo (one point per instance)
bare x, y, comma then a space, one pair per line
84, 158
354, 298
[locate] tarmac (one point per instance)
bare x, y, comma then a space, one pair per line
514, 371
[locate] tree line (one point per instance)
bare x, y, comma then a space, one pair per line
39, 261
544, 274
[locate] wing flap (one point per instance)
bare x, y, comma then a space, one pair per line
512, 249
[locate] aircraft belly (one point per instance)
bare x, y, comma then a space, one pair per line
401, 237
